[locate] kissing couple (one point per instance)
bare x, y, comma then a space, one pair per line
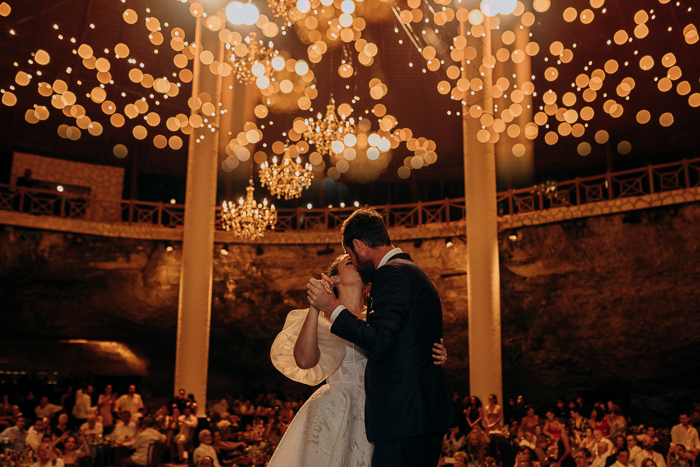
387, 402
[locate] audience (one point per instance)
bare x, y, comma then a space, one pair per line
239, 431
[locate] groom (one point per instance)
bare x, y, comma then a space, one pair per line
409, 407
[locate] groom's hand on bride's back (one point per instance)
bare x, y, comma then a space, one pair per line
319, 296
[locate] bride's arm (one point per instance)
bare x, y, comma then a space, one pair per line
306, 351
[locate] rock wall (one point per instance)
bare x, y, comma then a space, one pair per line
609, 306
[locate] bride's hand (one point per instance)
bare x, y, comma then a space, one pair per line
439, 353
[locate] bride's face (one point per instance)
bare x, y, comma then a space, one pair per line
347, 274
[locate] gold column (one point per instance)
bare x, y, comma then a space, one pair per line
483, 280
194, 313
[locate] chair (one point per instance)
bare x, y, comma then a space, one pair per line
155, 454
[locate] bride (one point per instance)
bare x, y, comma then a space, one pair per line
329, 429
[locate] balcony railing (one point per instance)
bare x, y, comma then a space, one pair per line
580, 191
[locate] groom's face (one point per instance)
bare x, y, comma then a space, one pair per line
363, 265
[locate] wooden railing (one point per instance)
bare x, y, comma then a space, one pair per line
580, 191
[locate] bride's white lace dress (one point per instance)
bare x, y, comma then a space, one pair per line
329, 429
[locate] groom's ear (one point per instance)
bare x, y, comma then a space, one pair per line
358, 246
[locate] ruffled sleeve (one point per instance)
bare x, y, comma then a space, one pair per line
282, 351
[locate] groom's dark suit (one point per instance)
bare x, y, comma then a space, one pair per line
407, 394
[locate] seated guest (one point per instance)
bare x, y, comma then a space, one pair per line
579, 425
206, 461
622, 458
650, 435
224, 449
530, 421
528, 440
685, 434
125, 429
525, 454
143, 441
46, 457
35, 434
46, 410
187, 424
649, 453
205, 449
679, 457
602, 453
598, 421
62, 427
453, 441
549, 428
599, 437
72, 453
582, 457
91, 427
617, 422
542, 447
15, 437
633, 447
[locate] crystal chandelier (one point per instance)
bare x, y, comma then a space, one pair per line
288, 178
249, 219
292, 10
324, 131
251, 60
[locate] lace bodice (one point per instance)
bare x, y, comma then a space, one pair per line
352, 369
341, 362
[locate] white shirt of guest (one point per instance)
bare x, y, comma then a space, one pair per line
187, 424
656, 457
620, 464
132, 403
142, 442
48, 411
687, 437
55, 463
97, 429
122, 431
384, 260
81, 409
203, 451
633, 453
33, 439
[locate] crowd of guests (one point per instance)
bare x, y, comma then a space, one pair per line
570, 434
84, 429
89, 430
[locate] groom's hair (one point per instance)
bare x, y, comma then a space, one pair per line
367, 226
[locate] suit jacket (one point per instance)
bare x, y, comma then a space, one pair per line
407, 394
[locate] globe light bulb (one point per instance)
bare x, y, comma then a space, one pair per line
348, 6
506, 7
303, 6
234, 13
258, 69
263, 82
250, 14
278, 63
301, 68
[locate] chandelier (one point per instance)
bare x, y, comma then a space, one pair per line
324, 131
288, 178
251, 59
292, 10
249, 219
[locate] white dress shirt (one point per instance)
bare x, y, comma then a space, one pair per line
656, 457
81, 409
142, 442
123, 431
131, 403
205, 450
54, 463
384, 260
687, 437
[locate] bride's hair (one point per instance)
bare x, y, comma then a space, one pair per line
333, 270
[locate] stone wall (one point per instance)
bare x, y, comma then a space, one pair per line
105, 183
606, 305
